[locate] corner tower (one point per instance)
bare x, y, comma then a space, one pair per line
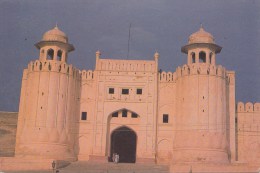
49, 99
201, 104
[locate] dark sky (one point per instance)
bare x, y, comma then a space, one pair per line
162, 25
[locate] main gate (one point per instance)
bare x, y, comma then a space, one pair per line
123, 143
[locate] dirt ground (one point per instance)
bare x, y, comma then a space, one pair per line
8, 125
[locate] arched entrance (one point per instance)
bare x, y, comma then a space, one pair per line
123, 142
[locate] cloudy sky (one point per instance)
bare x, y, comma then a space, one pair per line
162, 25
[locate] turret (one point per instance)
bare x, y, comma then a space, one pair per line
201, 104
156, 58
50, 92
54, 45
201, 48
98, 54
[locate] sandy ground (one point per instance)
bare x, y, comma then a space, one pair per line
8, 125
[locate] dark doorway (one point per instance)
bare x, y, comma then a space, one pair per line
123, 142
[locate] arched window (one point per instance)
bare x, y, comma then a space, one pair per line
210, 57
59, 55
193, 59
50, 54
124, 113
202, 57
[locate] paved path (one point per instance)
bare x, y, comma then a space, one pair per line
90, 167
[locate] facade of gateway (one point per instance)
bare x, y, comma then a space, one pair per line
131, 108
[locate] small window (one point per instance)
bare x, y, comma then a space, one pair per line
59, 55
134, 115
84, 116
125, 91
139, 91
202, 57
193, 57
111, 90
115, 114
50, 54
124, 113
165, 118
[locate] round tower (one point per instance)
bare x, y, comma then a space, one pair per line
201, 100
51, 92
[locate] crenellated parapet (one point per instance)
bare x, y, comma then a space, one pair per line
53, 66
126, 65
193, 69
248, 107
167, 76
203, 69
87, 75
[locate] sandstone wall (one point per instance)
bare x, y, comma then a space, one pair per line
248, 132
201, 116
166, 106
48, 105
94, 133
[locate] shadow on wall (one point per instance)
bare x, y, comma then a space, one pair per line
8, 125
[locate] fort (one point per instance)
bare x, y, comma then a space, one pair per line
130, 107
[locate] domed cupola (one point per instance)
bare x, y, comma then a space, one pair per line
201, 36
54, 45
55, 34
201, 48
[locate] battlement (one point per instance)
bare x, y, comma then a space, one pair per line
248, 107
87, 75
193, 69
126, 65
167, 76
53, 66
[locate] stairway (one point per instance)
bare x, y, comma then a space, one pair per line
91, 167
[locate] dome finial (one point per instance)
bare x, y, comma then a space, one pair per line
56, 25
156, 55
201, 26
98, 53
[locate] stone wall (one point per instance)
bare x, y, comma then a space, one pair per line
201, 114
99, 103
48, 105
248, 132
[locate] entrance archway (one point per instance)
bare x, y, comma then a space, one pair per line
123, 142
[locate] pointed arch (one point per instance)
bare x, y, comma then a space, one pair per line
50, 54
59, 55
123, 142
193, 57
164, 154
123, 128
202, 57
